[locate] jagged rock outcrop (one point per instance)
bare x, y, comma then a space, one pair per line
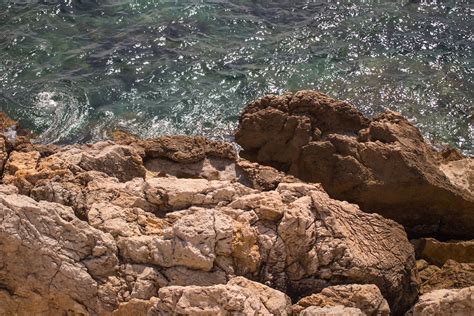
445, 302
127, 232
367, 298
181, 224
382, 164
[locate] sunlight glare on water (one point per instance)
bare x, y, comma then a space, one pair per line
75, 70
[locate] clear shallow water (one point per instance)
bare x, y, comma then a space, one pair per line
74, 70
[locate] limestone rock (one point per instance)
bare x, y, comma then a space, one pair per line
445, 302
261, 177
382, 164
176, 194
3, 153
109, 234
239, 296
337, 310
426, 270
460, 172
25, 169
367, 298
185, 149
49, 259
437, 252
319, 239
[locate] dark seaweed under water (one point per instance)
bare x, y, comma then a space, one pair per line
74, 70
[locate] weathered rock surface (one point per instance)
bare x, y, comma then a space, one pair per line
452, 275
108, 234
382, 164
367, 298
182, 225
238, 296
437, 252
338, 310
445, 302
50, 260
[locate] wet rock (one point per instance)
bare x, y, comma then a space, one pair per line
382, 164
366, 298
445, 302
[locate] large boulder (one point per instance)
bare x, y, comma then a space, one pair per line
382, 164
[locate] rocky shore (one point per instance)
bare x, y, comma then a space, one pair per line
323, 212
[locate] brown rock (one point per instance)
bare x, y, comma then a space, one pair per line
437, 252
426, 270
3, 153
367, 298
191, 231
337, 310
185, 149
294, 238
382, 164
239, 296
445, 302
50, 261
460, 172
452, 275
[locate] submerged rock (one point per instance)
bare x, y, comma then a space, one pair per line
382, 164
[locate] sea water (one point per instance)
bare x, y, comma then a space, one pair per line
74, 70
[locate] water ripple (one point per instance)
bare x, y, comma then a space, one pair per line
74, 70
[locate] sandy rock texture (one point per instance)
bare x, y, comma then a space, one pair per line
366, 298
445, 302
382, 164
437, 252
107, 232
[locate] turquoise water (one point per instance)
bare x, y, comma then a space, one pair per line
75, 70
